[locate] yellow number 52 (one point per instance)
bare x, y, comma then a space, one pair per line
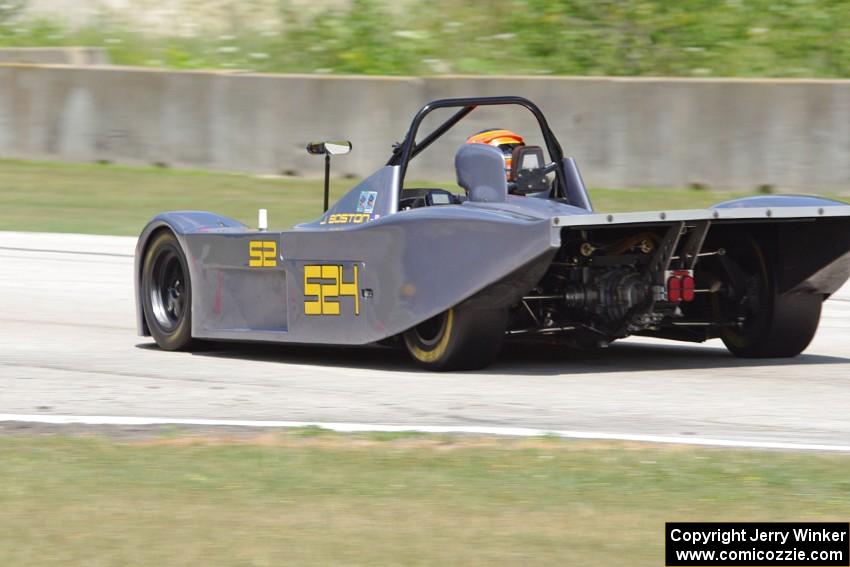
262, 254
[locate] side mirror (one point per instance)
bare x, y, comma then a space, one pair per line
328, 149
337, 148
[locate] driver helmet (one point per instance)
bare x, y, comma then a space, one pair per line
505, 140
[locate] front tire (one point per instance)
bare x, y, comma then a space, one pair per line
167, 293
458, 339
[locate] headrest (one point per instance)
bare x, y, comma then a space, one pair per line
481, 172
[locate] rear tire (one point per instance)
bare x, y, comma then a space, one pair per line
458, 339
788, 328
167, 293
776, 325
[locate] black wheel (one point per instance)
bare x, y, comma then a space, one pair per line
458, 339
167, 293
773, 325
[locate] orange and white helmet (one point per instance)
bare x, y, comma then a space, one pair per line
505, 140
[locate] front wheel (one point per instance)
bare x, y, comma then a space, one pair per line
167, 293
458, 339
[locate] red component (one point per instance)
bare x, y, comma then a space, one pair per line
688, 287
674, 290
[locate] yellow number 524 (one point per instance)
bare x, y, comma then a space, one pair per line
324, 285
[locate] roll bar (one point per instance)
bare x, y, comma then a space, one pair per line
409, 149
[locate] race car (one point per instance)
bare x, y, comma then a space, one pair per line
516, 251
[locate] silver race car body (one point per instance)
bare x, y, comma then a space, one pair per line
527, 254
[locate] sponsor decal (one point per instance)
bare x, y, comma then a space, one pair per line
347, 218
366, 202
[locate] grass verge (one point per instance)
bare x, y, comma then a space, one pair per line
112, 199
774, 38
304, 498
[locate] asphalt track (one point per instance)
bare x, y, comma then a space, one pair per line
68, 348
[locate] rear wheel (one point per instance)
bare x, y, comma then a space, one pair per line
167, 293
773, 325
458, 339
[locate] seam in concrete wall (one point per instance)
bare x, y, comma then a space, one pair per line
78, 56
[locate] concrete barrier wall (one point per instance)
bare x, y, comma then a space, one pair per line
732, 134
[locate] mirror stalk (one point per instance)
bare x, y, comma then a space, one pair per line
328, 149
327, 180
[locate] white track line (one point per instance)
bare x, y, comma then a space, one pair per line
368, 427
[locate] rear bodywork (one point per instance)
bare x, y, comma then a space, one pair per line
371, 268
